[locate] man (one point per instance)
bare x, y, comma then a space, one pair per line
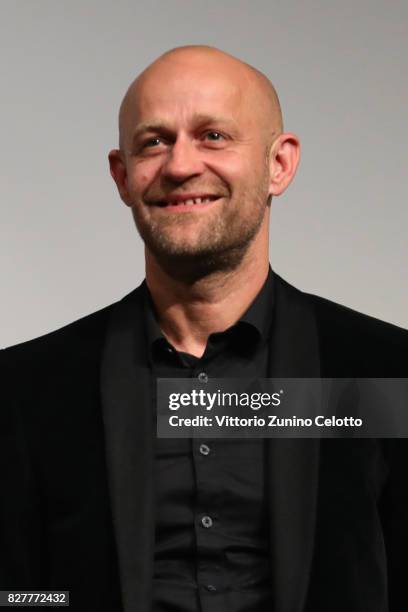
95, 503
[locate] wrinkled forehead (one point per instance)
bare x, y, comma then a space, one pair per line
190, 92
176, 94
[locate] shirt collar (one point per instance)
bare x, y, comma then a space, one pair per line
256, 320
259, 313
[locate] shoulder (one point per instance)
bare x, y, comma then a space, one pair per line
351, 343
87, 329
81, 338
351, 322
359, 342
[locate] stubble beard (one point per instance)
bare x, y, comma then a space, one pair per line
220, 246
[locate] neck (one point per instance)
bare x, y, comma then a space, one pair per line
188, 312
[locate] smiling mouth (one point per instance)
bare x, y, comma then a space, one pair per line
188, 202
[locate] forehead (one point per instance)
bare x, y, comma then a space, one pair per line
179, 93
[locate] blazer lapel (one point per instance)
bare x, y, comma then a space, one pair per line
128, 427
292, 463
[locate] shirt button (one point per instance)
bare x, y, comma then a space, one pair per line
211, 587
204, 449
202, 377
207, 522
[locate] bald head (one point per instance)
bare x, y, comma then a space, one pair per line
179, 63
202, 127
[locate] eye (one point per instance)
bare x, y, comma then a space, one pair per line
214, 136
152, 142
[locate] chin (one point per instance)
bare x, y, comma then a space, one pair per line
189, 263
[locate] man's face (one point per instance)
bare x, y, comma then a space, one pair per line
195, 135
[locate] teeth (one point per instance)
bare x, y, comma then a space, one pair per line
190, 201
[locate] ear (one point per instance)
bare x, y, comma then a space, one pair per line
117, 165
283, 162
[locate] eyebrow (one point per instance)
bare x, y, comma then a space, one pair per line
199, 119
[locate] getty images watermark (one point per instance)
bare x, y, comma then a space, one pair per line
271, 407
255, 401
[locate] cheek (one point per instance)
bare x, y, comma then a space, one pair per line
141, 175
238, 168
227, 167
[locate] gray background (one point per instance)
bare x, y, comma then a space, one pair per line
68, 244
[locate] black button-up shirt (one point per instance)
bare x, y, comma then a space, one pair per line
211, 544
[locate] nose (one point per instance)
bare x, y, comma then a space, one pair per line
183, 160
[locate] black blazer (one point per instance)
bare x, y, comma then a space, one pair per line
76, 462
